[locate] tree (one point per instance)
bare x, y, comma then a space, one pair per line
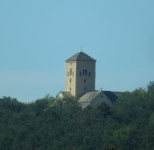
104, 109
112, 148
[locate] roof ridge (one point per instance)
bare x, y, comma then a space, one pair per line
80, 56
96, 94
92, 95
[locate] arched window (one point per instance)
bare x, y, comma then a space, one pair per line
84, 80
86, 72
70, 71
83, 72
84, 88
80, 73
70, 80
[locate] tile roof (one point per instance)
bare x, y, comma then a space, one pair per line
111, 96
89, 96
66, 94
80, 56
117, 93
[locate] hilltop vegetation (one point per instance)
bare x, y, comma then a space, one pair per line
128, 125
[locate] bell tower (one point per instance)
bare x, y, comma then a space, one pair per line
80, 74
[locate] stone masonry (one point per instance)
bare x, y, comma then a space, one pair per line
80, 74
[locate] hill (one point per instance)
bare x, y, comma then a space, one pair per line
129, 124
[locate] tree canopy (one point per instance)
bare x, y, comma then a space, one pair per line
62, 124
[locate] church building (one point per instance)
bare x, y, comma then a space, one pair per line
80, 78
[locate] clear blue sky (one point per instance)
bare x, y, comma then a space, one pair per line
36, 37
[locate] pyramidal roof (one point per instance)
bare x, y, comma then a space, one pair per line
80, 56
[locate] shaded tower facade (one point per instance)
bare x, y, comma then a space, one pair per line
80, 74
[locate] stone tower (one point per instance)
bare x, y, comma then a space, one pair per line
80, 74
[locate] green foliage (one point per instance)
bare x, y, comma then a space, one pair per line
112, 148
61, 124
104, 109
10, 104
122, 133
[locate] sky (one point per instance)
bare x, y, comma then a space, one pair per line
36, 37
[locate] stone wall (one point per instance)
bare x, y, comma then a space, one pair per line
101, 97
77, 82
70, 85
85, 83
